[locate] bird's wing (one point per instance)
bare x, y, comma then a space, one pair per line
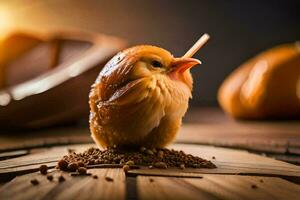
132, 93
113, 77
138, 105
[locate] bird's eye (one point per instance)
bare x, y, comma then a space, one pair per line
156, 63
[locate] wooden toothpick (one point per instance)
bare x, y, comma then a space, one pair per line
202, 40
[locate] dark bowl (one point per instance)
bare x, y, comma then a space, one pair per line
45, 78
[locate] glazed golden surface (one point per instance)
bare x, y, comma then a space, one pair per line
140, 98
265, 87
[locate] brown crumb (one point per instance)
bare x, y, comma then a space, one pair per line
49, 177
34, 181
253, 186
213, 157
61, 178
81, 164
81, 170
72, 167
151, 180
114, 157
160, 165
71, 150
95, 177
261, 180
63, 164
43, 169
109, 179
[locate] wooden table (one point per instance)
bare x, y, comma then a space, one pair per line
206, 126
240, 174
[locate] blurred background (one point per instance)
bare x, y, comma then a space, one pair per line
238, 29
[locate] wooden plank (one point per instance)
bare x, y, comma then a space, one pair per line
43, 138
215, 116
48, 155
30, 163
256, 139
294, 159
228, 161
12, 154
79, 187
216, 187
210, 126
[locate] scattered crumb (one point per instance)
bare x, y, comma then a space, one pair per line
34, 181
72, 167
161, 158
95, 177
71, 150
151, 180
44, 169
61, 178
213, 157
253, 186
81, 170
160, 165
109, 179
49, 177
261, 180
81, 164
63, 164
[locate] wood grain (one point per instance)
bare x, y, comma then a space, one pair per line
228, 161
223, 182
30, 163
12, 154
10, 141
249, 138
216, 187
79, 187
207, 126
210, 126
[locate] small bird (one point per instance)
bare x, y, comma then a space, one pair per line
140, 97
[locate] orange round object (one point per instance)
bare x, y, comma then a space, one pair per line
265, 87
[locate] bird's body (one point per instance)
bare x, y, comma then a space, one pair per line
140, 98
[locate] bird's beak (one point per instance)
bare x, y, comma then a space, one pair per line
182, 64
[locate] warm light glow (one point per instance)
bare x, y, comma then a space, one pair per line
298, 88
252, 89
5, 21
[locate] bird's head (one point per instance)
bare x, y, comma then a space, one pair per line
144, 61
